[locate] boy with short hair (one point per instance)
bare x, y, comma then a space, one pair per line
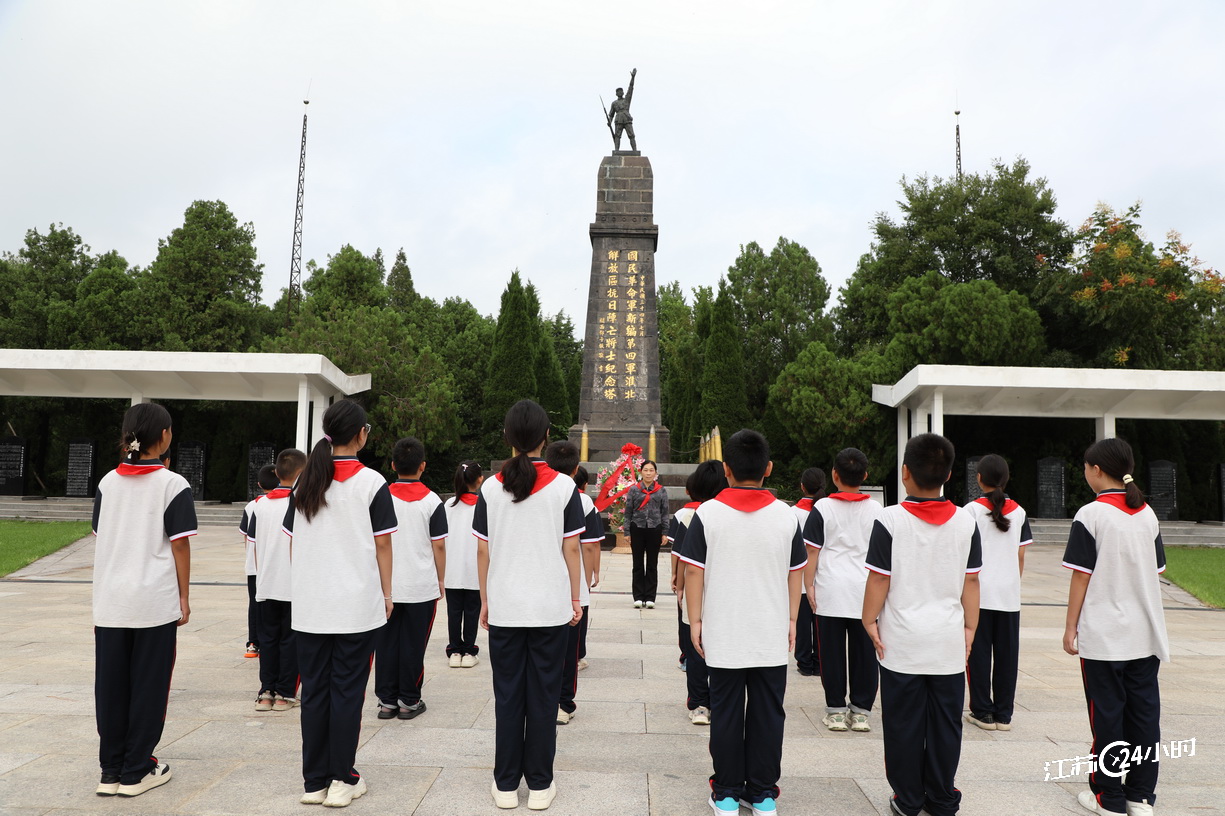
265, 480
589, 552
278, 658
837, 533
744, 553
920, 609
418, 569
807, 655
563, 456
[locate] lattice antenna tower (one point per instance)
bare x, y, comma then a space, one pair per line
294, 295
957, 114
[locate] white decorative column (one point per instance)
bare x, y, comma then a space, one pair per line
903, 434
1104, 426
302, 436
938, 412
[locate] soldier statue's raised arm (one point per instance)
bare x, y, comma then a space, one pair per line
619, 112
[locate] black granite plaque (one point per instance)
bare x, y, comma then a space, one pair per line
12, 466
1052, 488
972, 490
1220, 483
80, 483
258, 455
1163, 489
189, 462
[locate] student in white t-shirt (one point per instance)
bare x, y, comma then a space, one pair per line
265, 480
562, 456
807, 656
744, 557
589, 546
528, 520
920, 608
837, 532
341, 518
143, 517
461, 586
1004, 529
1116, 624
419, 568
278, 658
705, 483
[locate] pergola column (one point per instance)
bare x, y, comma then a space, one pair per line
319, 404
938, 412
302, 438
903, 434
1104, 425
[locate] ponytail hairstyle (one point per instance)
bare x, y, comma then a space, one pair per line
1115, 458
143, 426
813, 481
342, 422
525, 429
581, 478
993, 471
466, 476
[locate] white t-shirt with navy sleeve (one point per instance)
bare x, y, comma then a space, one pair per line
527, 584
1121, 549
747, 542
139, 508
801, 509
244, 527
593, 533
926, 547
266, 534
335, 570
461, 544
676, 537
422, 520
839, 526
999, 583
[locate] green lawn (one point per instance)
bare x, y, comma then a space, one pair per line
1199, 570
24, 542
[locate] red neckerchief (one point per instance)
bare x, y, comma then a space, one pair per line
409, 491
468, 499
648, 494
278, 493
745, 499
1009, 504
692, 506
932, 511
851, 497
138, 469
1119, 499
544, 475
342, 469
804, 504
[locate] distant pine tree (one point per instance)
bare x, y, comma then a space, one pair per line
723, 401
512, 360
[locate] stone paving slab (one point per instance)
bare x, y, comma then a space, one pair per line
630, 750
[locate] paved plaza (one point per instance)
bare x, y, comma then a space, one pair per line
630, 749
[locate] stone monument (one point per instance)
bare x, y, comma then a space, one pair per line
619, 402
12, 466
259, 454
189, 463
80, 482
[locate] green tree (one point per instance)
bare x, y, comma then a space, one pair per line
511, 373
723, 401
350, 280
401, 294
40, 286
103, 307
201, 292
569, 351
680, 371
998, 227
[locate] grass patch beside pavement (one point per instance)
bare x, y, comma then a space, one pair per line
1199, 570
24, 542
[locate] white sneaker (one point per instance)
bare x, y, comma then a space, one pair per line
582, 664
340, 794
650, 604
835, 721
859, 722
314, 797
564, 717
638, 604
1139, 809
1089, 802
541, 799
455, 660
160, 775
505, 799
469, 661
700, 716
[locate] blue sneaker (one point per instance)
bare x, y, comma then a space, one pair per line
765, 807
725, 805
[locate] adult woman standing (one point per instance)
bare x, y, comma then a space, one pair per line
646, 517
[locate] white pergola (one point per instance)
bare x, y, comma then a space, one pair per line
310, 380
927, 393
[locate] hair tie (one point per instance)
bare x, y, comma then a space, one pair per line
1127, 479
134, 445
328, 438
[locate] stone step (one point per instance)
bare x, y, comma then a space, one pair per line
61, 509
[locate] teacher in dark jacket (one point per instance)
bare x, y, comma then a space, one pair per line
646, 518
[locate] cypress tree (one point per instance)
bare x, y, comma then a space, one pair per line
512, 361
723, 401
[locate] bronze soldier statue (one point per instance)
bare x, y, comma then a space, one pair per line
619, 114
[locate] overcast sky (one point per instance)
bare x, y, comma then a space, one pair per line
469, 133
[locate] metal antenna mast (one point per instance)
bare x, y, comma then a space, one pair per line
956, 113
294, 295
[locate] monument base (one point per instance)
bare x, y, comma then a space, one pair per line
604, 445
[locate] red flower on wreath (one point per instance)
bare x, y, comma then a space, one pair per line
630, 449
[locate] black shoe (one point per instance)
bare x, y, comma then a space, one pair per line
408, 712
108, 785
805, 672
387, 712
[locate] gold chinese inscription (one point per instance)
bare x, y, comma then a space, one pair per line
623, 294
